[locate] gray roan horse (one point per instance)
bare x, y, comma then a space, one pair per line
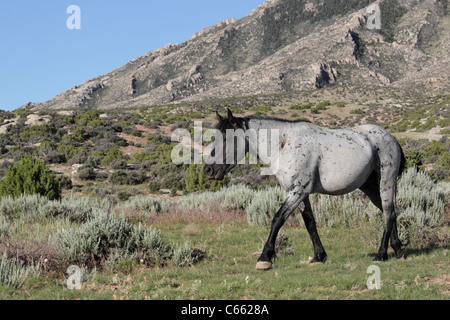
318, 160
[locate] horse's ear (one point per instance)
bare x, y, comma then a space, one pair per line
219, 117
231, 117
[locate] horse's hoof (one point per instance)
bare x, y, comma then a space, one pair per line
263, 265
401, 254
319, 258
383, 257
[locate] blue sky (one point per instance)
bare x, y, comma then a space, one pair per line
40, 57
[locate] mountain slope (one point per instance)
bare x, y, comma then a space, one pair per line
284, 45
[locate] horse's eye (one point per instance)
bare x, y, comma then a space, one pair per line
213, 139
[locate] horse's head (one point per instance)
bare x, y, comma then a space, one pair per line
223, 159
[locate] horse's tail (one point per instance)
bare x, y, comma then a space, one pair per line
402, 161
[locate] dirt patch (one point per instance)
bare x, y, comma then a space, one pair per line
35, 120
4, 126
134, 139
442, 280
131, 150
419, 135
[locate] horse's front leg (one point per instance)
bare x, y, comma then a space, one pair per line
292, 202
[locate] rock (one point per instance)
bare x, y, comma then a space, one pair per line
325, 74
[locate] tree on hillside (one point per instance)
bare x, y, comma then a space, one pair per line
30, 176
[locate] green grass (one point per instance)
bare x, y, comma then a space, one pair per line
231, 245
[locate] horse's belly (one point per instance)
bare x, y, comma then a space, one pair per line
343, 173
340, 187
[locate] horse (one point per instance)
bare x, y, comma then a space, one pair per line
312, 159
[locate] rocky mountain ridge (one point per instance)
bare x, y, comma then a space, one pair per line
282, 46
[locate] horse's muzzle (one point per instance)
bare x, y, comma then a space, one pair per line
213, 173
208, 171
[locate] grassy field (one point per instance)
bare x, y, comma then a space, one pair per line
228, 271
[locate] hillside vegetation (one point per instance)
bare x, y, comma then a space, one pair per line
119, 154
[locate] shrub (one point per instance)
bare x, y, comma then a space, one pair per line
122, 177
323, 105
154, 186
113, 154
78, 208
264, 206
357, 111
4, 227
12, 272
33, 207
48, 153
82, 119
123, 195
86, 173
30, 176
346, 210
119, 177
65, 182
92, 243
233, 198
283, 245
25, 207
200, 201
420, 208
414, 159
121, 261
300, 107
187, 256
237, 197
196, 180
148, 204
107, 240
34, 255
118, 164
40, 132
173, 180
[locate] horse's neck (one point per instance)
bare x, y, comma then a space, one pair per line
268, 130
266, 124
282, 128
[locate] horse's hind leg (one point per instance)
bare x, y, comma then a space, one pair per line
396, 244
372, 189
310, 223
387, 194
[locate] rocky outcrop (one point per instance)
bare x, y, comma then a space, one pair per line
282, 45
325, 74
185, 81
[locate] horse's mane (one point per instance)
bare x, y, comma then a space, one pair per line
258, 117
225, 123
